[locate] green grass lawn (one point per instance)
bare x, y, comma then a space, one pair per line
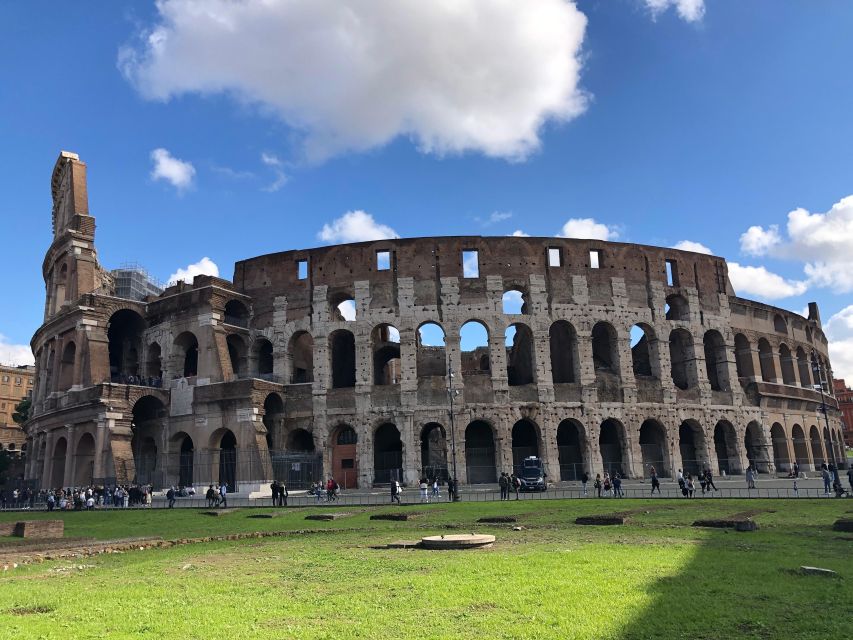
657, 577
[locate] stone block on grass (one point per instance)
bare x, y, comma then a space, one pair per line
600, 520
843, 524
216, 513
39, 529
326, 516
498, 520
392, 516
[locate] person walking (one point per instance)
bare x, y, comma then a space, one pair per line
709, 479
395, 492
655, 481
516, 484
435, 492
690, 486
584, 480
274, 492
617, 486
606, 484
424, 489
282, 494
211, 496
502, 484
597, 484
750, 480
223, 495
170, 496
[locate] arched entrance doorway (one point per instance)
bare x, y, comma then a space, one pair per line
185, 462
725, 446
434, 452
781, 457
344, 457
571, 442
525, 443
228, 460
148, 413
691, 444
801, 448
480, 453
654, 448
84, 463
612, 443
817, 447
57, 474
387, 454
756, 449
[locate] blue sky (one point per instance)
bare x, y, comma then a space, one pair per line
652, 121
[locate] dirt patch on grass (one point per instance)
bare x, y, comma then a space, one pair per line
29, 611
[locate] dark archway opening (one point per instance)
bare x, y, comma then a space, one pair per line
434, 452
653, 445
228, 461
570, 450
480, 453
387, 455
612, 444
343, 359
124, 334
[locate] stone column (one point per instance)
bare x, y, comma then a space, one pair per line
70, 458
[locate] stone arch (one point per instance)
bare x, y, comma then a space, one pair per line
605, 349
816, 446
514, 302
273, 418
725, 446
474, 345
66, 366
756, 448
803, 368
677, 307
237, 354
564, 352
183, 443
571, 448
342, 357
781, 457
236, 314
614, 448
84, 460
124, 333
301, 350
186, 345
779, 324
387, 454
154, 361
300, 440
146, 426
434, 451
60, 451
716, 362
682, 357
654, 447
743, 357
342, 307
525, 442
644, 351
385, 340
480, 452
344, 445
262, 354
765, 356
520, 355
787, 365
224, 442
431, 354
801, 449
691, 444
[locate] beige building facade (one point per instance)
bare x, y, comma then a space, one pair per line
16, 383
337, 361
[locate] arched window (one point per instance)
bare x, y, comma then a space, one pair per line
779, 324
273, 417
716, 363
154, 366
387, 454
682, 359
124, 333
237, 354
386, 355
187, 346
474, 345
653, 446
66, 366
677, 307
264, 355
520, 357
431, 355
644, 353
605, 353
803, 368
342, 307
236, 314
564, 352
514, 302
743, 357
342, 350
787, 365
768, 366
302, 357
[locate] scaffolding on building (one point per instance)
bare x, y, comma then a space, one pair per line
133, 282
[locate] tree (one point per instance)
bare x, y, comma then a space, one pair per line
22, 411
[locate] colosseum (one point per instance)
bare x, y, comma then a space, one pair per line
396, 359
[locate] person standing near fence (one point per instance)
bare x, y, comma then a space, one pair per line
170, 496
502, 484
282, 494
274, 492
584, 480
655, 481
597, 484
709, 479
435, 493
617, 486
223, 496
395, 492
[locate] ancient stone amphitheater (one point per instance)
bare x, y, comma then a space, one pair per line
338, 361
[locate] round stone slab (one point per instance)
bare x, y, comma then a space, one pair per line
458, 541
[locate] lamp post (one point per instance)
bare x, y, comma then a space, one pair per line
818, 371
451, 392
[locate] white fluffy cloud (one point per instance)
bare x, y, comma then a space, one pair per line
277, 166
689, 245
518, 233
839, 330
176, 172
758, 281
14, 354
452, 75
821, 241
205, 266
588, 229
689, 10
355, 226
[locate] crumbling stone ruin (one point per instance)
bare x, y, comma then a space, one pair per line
336, 361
